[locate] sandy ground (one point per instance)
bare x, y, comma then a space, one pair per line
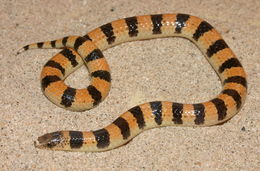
162, 69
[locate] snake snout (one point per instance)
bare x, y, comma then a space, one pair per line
48, 140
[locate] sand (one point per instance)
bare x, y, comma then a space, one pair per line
162, 69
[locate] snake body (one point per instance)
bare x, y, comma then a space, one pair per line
88, 50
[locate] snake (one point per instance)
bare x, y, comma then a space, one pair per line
87, 50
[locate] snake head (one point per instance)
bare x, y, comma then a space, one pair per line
50, 141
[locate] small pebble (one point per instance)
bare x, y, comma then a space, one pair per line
243, 129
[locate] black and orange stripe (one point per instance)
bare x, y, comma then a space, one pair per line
132, 25
107, 29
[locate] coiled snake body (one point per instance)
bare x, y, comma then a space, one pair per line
88, 50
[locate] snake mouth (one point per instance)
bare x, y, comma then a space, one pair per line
49, 140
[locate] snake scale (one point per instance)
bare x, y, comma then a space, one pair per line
88, 49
